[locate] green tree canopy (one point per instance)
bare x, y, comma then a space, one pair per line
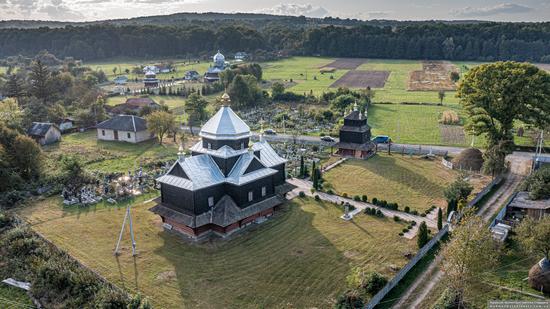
159, 123
534, 236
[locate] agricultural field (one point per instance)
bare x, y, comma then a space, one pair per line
106, 156
409, 181
434, 76
300, 258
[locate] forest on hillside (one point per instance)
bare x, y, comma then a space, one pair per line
291, 35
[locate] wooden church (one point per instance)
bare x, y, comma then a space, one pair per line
226, 183
355, 136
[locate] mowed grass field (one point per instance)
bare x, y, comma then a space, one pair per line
106, 156
298, 259
408, 181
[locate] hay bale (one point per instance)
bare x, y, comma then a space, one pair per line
469, 159
449, 117
539, 279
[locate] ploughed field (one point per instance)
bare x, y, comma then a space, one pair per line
409, 181
298, 259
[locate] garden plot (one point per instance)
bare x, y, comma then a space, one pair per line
362, 79
434, 76
345, 63
452, 135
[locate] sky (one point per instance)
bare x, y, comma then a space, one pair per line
86, 10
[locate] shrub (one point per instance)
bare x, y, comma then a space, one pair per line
413, 223
375, 201
401, 234
329, 191
345, 195
379, 213
396, 218
448, 300
301, 194
414, 212
349, 300
407, 209
405, 230
357, 198
374, 282
409, 226
383, 203
317, 198
422, 215
364, 198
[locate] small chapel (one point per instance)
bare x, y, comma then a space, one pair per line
225, 184
355, 136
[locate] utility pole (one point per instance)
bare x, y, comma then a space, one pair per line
127, 216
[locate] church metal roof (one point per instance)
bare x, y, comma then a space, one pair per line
268, 155
202, 172
223, 152
225, 125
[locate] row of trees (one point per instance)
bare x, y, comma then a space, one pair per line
428, 40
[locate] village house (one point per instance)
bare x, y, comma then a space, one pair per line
522, 206
355, 136
192, 75
67, 124
224, 185
151, 68
135, 106
44, 133
125, 128
241, 56
121, 80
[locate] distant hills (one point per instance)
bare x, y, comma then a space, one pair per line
186, 19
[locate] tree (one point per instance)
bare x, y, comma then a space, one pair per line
195, 106
74, 175
454, 76
538, 184
496, 95
469, 253
534, 236
40, 81
439, 219
277, 89
29, 157
341, 102
10, 114
159, 123
114, 70
460, 189
244, 91
422, 237
56, 113
441, 96
14, 87
302, 167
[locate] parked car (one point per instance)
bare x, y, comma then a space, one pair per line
381, 139
270, 132
327, 139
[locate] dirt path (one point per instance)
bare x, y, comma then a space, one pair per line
421, 287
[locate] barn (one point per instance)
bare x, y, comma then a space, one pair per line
44, 133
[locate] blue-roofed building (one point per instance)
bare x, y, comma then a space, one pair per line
213, 72
225, 184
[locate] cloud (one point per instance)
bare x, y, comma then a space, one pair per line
57, 10
294, 9
379, 14
505, 8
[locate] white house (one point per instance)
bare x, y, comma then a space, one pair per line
151, 68
44, 133
121, 80
66, 124
125, 128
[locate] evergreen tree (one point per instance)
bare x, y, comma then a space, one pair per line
314, 175
302, 167
14, 87
422, 237
40, 81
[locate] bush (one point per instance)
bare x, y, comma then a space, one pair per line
396, 219
422, 215
383, 203
405, 230
409, 226
379, 213
373, 283
407, 209
375, 201
413, 223
317, 198
448, 300
414, 212
401, 234
349, 300
357, 198
329, 191
364, 198
301, 194
345, 195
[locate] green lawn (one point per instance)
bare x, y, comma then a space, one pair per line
298, 259
14, 298
107, 156
408, 181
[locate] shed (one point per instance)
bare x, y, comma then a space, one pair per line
44, 133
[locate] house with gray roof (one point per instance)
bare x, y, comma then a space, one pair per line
124, 128
44, 133
225, 184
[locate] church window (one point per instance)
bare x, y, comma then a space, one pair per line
250, 196
211, 201
264, 191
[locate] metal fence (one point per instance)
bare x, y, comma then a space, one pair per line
502, 213
412, 149
422, 252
